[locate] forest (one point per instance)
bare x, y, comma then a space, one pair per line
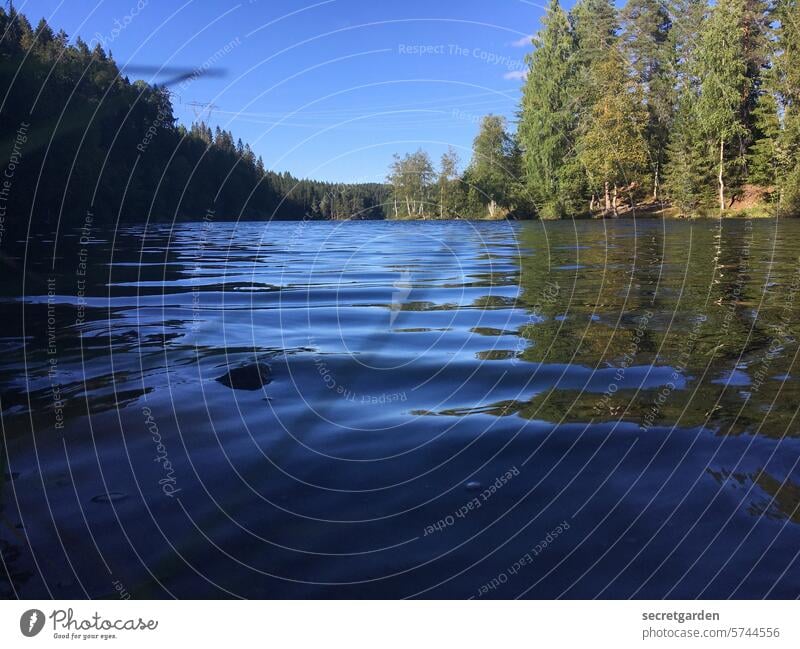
678, 108
79, 138
687, 103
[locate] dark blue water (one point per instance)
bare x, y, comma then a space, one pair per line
452, 409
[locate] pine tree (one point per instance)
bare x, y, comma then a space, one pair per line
650, 51
689, 161
768, 159
547, 119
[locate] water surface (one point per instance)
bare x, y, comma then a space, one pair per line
455, 409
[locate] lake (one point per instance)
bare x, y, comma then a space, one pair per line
403, 409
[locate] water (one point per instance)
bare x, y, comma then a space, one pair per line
489, 410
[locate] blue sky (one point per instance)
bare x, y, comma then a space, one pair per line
324, 89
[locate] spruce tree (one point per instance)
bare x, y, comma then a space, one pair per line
595, 25
688, 161
767, 159
411, 178
688, 172
547, 119
688, 20
649, 48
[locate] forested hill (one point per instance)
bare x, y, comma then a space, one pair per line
78, 138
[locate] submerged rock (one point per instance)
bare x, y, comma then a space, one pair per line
110, 497
247, 377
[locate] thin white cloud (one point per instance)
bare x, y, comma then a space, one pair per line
522, 42
516, 75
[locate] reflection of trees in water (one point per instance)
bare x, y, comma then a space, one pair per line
776, 498
591, 322
737, 290
718, 298
636, 406
12, 542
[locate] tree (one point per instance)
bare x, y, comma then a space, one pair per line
732, 56
448, 183
786, 80
118, 152
595, 26
612, 147
547, 117
688, 20
768, 159
492, 171
687, 172
649, 49
688, 157
411, 178
724, 85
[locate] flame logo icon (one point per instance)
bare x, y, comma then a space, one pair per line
402, 289
31, 622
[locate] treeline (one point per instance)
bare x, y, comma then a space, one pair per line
671, 106
488, 188
677, 104
79, 138
677, 101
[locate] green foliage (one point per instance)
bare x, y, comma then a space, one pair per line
494, 171
650, 50
688, 180
688, 19
786, 81
449, 185
613, 148
595, 25
728, 64
722, 70
411, 178
682, 100
117, 152
768, 159
547, 119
